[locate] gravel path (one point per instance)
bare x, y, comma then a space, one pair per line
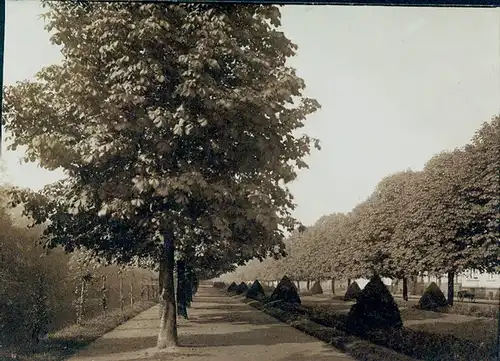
219, 329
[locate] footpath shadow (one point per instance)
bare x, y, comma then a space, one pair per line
241, 317
228, 307
260, 336
112, 345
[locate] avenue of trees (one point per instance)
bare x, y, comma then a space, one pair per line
441, 220
177, 127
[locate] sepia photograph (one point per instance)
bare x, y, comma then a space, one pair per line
205, 181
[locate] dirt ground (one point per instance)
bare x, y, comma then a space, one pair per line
219, 329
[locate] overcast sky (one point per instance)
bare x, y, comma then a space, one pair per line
396, 86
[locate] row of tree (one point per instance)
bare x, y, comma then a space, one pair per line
176, 126
441, 220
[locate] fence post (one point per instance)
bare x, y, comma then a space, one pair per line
132, 290
121, 289
498, 330
104, 295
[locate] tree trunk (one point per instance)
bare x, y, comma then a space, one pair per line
451, 287
332, 282
414, 285
298, 286
439, 281
308, 284
348, 282
405, 288
161, 276
168, 324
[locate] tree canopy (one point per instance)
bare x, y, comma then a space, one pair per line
176, 126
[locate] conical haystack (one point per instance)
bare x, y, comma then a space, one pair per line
374, 309
256, 291
316, 289
433, 298
241, 288
232, 287
352, 292
286, 291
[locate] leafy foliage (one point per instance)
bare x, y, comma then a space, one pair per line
442, 219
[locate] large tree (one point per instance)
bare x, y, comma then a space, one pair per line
178, 121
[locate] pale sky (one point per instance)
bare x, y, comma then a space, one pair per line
396, 86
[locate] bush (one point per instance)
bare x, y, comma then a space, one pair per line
286, 291
374, 309
241, 288
316, 288
219, 285
433, 299
232, 287
352, 292
256, 291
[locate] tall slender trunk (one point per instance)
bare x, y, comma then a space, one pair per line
440, 281
308, 284
405, 288
451, 287
167, 336
414, 281
332, 282
348, 282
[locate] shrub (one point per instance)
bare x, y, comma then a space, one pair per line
286, 291
352, 292
374, 309
219, 285
433, 299
256, 291
316, 288
241, 288
232, 287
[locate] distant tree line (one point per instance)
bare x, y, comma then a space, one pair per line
441, 220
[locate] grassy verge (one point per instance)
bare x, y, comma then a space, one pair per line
64, 343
